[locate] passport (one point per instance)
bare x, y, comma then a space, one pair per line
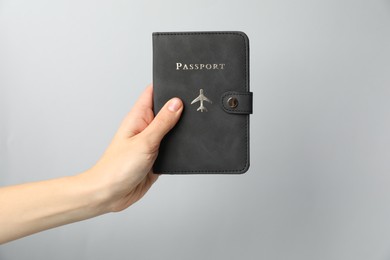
209, 72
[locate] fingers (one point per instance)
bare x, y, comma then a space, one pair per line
145, 100
140, 115
164, 121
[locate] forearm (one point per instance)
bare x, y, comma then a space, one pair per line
120, 178
29, 208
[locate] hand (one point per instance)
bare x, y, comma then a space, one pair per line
120, 178
125, 169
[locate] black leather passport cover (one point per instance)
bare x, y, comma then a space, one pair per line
209, 72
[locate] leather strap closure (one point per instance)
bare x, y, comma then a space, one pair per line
234, 102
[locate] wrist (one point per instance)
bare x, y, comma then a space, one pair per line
93, 191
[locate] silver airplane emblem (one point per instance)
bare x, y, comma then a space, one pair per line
201, 98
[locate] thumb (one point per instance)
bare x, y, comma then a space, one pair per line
164, 121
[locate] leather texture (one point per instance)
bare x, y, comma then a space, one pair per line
244, 102
215, 141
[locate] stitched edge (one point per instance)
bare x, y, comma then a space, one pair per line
232, 93
195, 33
246, 56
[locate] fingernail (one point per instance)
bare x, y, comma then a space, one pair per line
174, 105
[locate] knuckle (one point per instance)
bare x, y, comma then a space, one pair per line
162, 122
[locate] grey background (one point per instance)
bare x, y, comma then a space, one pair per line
319, 182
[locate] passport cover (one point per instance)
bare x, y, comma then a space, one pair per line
209, 72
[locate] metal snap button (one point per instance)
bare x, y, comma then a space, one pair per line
232, 102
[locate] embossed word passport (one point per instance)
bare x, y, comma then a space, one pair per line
209, 72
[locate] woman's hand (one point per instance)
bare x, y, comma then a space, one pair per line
125, 169
120, 178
